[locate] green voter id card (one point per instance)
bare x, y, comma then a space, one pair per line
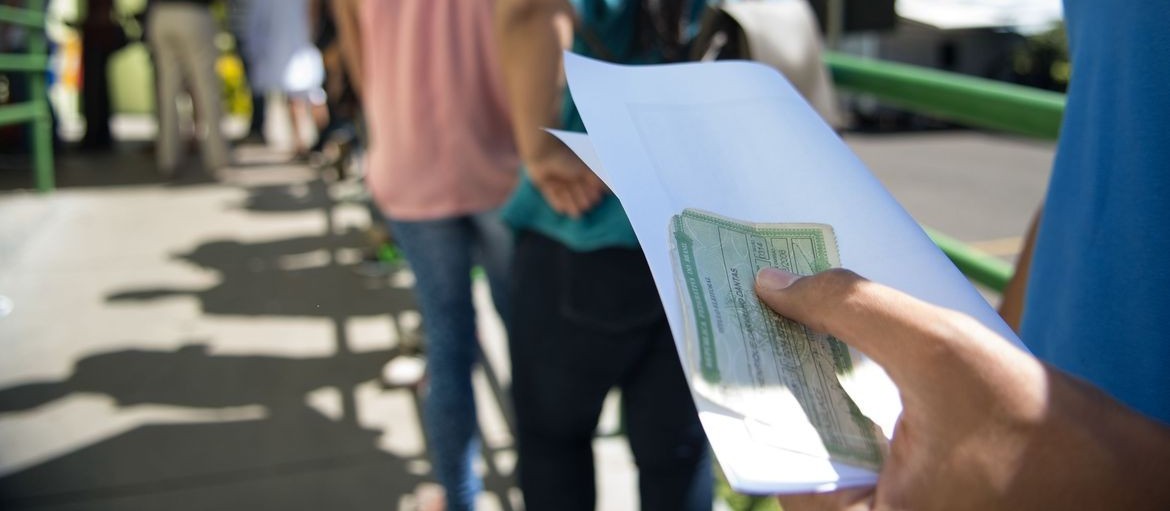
745, 357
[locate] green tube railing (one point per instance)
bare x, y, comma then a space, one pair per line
33, 64
976, 102
976, 265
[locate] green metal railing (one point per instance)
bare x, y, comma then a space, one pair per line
975, 102
34, 64
976, 265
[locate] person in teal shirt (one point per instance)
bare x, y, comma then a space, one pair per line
587, 317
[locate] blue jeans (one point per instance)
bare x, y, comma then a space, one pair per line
441, 254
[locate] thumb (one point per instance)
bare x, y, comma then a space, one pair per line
894, 329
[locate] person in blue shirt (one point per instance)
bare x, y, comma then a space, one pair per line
1099, 288
587, 317
1086, 425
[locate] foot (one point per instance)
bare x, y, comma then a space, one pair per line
301, 156
404, 371
430, 497
252, 138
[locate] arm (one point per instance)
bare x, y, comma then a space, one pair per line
1011, 308
314, 17
531, 35
345, 15
984, 425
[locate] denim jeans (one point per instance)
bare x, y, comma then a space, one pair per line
441, 254
587, 322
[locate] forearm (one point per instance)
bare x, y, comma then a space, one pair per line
984, 425
349, 36
1011, 308
1101, 454
314, 17
531, 35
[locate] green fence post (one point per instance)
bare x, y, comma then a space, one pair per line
42, 127
33, 64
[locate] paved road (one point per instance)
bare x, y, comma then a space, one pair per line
976, 187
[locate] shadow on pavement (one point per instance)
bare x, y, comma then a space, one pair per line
287, 199
288, 455
289, 277
291, 457
127, 164
130, 163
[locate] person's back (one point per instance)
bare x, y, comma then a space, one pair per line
440, 138
588, 317
1098, 289
441, 162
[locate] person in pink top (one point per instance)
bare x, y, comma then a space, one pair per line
441, 162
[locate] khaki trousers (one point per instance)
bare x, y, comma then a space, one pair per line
181, 41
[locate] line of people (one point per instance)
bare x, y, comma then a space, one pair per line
286, 46
455, 95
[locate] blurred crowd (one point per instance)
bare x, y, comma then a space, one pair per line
447, 99
289, 51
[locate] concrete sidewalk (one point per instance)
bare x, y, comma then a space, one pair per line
192, 344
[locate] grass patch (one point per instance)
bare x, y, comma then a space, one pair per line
739, 501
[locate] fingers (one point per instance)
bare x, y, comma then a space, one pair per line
818, 301
848, 499
560, 198
583, 199
573, 197
568, 185
894, 329
595, 186
588, 191
564, 181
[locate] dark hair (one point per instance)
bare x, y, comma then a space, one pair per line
661, 27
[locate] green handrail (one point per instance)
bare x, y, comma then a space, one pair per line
34, 64
973, 101
29, 63
32, 17
20, 113
976, 265
977, 102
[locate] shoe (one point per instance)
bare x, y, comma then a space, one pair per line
302, 156
252, 138
372, 268
404, 371
430, 497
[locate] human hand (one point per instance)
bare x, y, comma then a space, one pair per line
563, 179
984, 425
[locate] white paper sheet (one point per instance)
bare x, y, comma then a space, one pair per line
735, 138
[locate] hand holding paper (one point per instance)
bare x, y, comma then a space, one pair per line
748, 359
736, 139
985, 425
